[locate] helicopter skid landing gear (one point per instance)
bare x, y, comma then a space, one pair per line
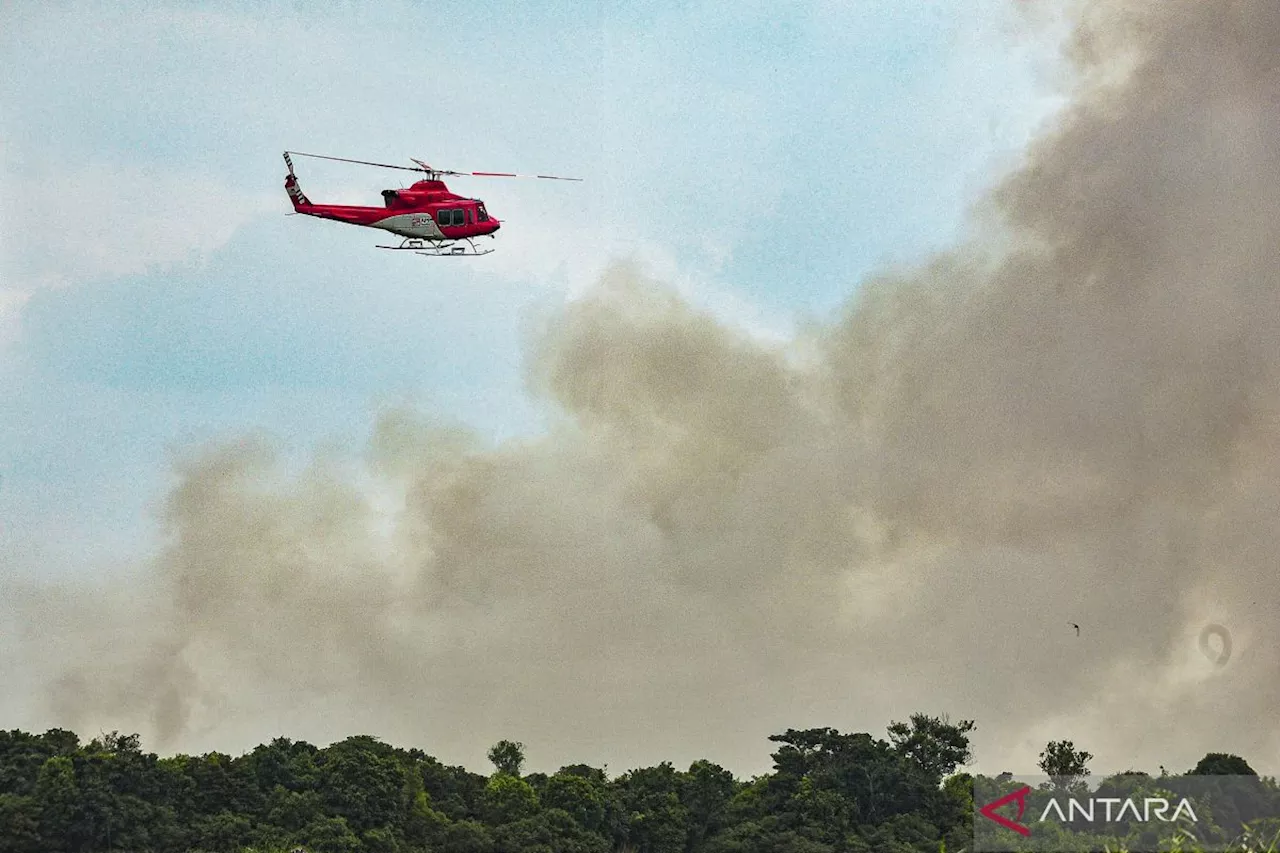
464, 248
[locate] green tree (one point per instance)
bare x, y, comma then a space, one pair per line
225, 832
362, 781
705, 793
220, 785
330, 835
828, 793
754, 838
1065, 765
64, 825
1222, 764
586, 771
61, 741
875, 780
550, 831
508, 798
507, 756
116, 742
802, 749
936, 745
19, 824
283, 762
955, 812
382, 840
423, 825
123, 792
654, 819
454, 791
293, 810
581, 798
23, 754
468, 836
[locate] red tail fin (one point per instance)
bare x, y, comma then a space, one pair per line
291, 186
295, 192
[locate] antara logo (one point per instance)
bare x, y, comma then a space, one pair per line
1074, 806
1087, 810
1020, 795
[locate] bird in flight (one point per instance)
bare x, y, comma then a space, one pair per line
1077, 627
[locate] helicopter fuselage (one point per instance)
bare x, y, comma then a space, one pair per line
426, 211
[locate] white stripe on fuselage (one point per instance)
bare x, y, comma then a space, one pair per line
411, 225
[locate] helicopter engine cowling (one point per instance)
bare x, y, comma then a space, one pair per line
407, 198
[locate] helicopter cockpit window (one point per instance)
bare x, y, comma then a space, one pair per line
480, 213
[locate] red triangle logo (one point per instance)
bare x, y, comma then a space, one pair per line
989, 810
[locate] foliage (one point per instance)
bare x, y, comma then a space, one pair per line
933, 743
508, 799
829, 792
1065, 765
507, 756
1222, 764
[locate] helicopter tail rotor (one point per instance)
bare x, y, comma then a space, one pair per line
291, 186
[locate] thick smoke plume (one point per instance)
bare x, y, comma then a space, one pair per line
1073, 418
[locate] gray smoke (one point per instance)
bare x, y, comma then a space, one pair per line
1073, 418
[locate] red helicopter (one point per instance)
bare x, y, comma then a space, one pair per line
433, 221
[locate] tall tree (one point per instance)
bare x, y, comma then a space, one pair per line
507, 756
706, 792
655, 819
934, 744
581, 798
362, 780
1065, 765
1222, 764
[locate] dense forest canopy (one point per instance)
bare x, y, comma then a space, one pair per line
829, 792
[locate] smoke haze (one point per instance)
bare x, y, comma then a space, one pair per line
1074, 417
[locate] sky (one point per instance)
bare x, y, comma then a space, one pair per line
754, 428
796, 140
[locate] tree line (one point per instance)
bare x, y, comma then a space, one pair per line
828, 792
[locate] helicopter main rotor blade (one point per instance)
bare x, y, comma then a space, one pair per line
361, 162
509, 175
493, 174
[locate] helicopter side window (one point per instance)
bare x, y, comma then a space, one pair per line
449, 217
470, 216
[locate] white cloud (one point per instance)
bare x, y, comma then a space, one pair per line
86, 221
